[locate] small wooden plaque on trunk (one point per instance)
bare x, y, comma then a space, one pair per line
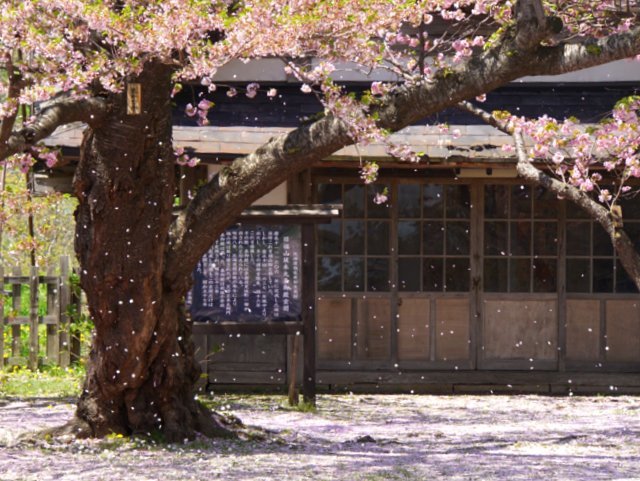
134, 99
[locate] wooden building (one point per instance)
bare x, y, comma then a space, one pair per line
466, 280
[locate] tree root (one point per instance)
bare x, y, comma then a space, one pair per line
208, 424
74, 429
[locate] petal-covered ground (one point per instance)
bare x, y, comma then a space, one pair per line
356, 437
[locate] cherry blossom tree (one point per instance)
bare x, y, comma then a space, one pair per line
50, 213
87, 60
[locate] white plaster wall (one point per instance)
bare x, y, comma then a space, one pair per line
261, 70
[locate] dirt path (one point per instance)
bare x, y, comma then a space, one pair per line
359, 438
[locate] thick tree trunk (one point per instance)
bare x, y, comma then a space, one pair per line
141, 371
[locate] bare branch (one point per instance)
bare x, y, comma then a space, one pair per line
486, 117
57, 113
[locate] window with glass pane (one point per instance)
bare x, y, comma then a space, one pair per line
520, 239
354, 251
409, 237
591, 262
441, 238
329, 242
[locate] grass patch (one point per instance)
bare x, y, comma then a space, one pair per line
398, 474
234, 401
264, 402
48, 382
303, 407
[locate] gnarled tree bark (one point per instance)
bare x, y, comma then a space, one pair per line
141, 370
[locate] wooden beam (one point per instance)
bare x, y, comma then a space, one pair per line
309, 314
33, 319
64, 302
230, 327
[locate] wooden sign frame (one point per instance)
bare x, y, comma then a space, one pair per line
307, 216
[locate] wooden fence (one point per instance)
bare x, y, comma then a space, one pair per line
49, 293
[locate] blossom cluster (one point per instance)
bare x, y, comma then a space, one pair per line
200, 111
80, 46
599, 158
68, 45
24, 161
184, 158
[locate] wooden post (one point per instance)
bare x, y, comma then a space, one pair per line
76, 346
562, 287
52, 317
201, 354
309, 314
1, 317
16, 290
33, 318
64, 300
292, 370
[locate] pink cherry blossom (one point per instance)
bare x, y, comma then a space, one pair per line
478, 41
205, 104
377, 88
558, 157
190, 110
50, 158
252, 89
380, 198
193, 161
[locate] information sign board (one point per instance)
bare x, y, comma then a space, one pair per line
252, 273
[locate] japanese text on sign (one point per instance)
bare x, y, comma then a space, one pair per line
252, 273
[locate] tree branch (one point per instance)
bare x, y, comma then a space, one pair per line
248, 178
625, 249
586, 53
218, 203
623, 245
53, 115
532, 25
527, 171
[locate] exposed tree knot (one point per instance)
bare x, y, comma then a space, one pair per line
28, 133
227, 174
532, 24
554, 25
616, 216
